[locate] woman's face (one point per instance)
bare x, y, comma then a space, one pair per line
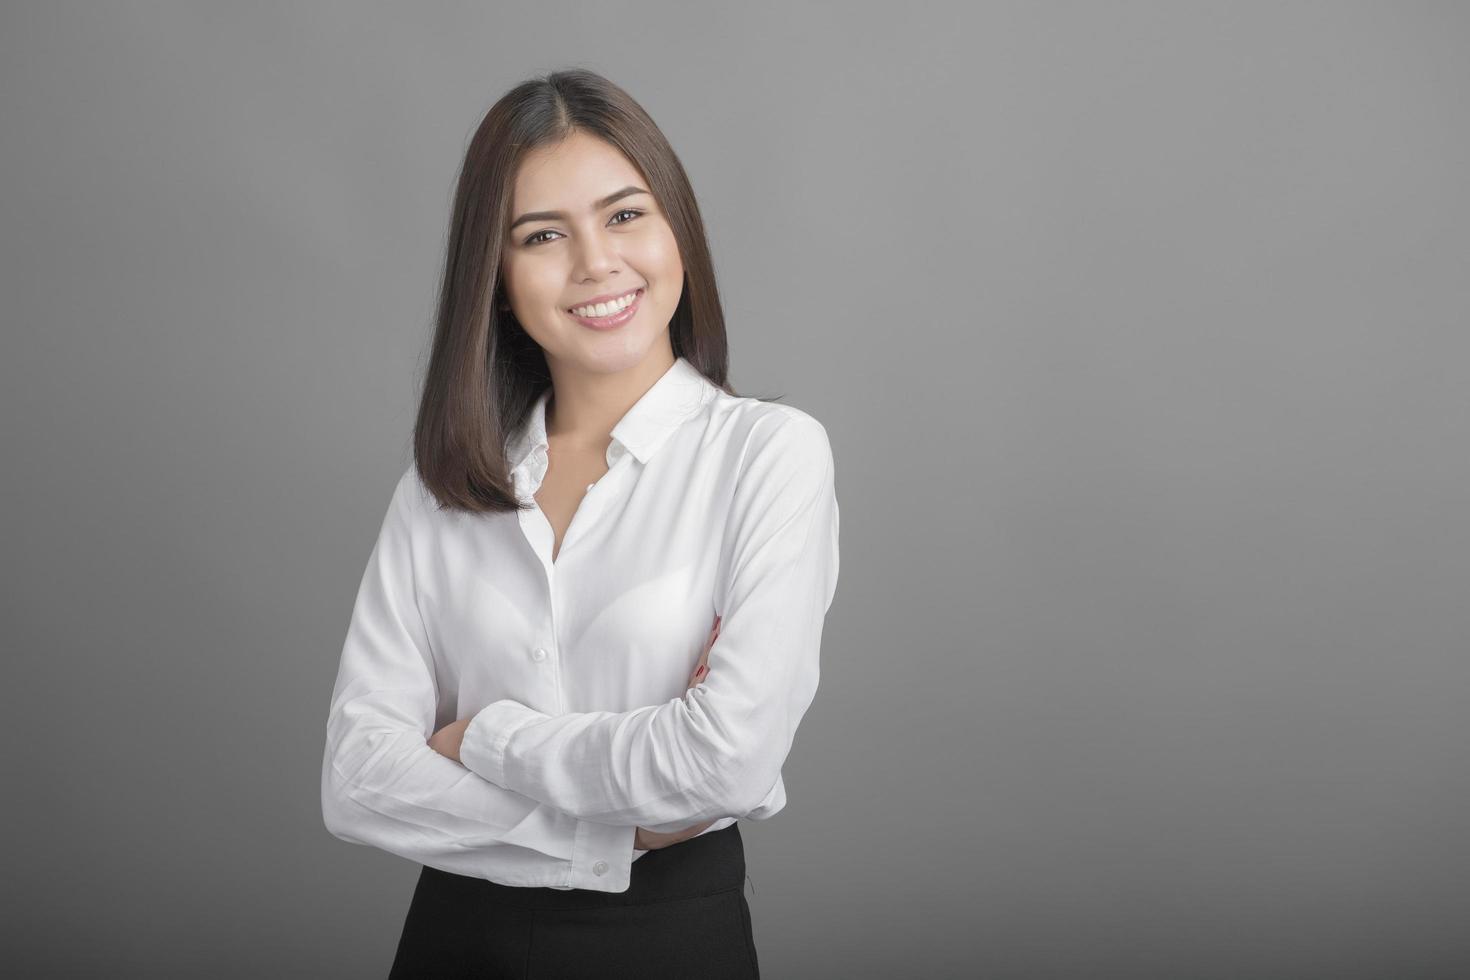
596, 247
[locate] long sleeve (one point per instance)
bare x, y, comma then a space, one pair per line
718, 749
383, 786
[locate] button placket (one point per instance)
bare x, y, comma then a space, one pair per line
561, 701
536, 527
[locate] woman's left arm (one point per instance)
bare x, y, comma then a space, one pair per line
718, 749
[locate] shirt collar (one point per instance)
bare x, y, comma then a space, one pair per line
680, 392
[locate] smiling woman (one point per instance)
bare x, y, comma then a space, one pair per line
591, 624
569, 197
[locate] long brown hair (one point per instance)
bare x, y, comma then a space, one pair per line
485, 372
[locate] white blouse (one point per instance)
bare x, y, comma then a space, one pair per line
575, 670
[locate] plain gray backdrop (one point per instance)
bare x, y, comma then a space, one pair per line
1140, 333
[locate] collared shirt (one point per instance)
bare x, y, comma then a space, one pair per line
575, 670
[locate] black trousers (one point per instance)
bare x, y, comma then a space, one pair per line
684, 915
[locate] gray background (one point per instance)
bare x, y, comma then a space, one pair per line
1140, 333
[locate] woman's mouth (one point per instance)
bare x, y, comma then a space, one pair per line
611, 320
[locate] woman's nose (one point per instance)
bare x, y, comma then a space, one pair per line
596, 256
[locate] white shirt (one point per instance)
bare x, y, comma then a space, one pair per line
575, 671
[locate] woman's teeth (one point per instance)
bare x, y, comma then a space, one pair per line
606, 309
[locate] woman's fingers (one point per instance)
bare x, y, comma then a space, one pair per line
699, 674
714, 634
702, 668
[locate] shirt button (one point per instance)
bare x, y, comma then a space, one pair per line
600, 868
538, 655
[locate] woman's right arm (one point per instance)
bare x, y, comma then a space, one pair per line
383, 786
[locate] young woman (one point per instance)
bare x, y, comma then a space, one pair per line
590, 625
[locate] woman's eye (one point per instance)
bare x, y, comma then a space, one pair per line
536, 239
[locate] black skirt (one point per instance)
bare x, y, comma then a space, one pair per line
684, 915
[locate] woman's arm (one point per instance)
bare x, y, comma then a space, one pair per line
382, 785
717, 750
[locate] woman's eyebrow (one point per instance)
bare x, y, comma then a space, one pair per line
596, 206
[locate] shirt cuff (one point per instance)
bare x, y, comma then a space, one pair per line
602, 857
482, 750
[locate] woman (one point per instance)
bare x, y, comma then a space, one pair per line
590, 624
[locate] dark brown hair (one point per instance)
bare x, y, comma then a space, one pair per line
485, 372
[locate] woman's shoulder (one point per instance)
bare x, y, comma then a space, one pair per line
412, 499
772, 430
747, 415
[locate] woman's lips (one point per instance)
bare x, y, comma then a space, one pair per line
610, 322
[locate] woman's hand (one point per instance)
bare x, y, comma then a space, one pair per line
647, 840
446, 741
